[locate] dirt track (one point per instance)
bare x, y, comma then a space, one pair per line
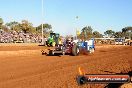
25, 67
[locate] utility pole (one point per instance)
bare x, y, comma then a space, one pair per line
42, 22
77, 26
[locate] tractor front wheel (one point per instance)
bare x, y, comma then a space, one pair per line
75, 50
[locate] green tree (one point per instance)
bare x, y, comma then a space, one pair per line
46, 28
26, 26
127, 32
118, 34
13, 26
1, 23
110, 33
86, 32
96, 34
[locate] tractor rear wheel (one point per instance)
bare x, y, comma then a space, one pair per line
75, 50
130, 43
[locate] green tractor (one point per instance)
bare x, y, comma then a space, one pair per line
53, 39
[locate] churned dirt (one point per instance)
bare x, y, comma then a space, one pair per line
26, 67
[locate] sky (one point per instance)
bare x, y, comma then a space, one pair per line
101, 15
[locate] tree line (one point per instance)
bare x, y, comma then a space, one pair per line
86, 32
26, 27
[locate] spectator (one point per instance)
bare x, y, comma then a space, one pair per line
18, 37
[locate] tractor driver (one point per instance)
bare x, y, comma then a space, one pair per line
69, 41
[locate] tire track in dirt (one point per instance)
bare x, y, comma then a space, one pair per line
58, 72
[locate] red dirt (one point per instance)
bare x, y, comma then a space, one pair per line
25, 67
